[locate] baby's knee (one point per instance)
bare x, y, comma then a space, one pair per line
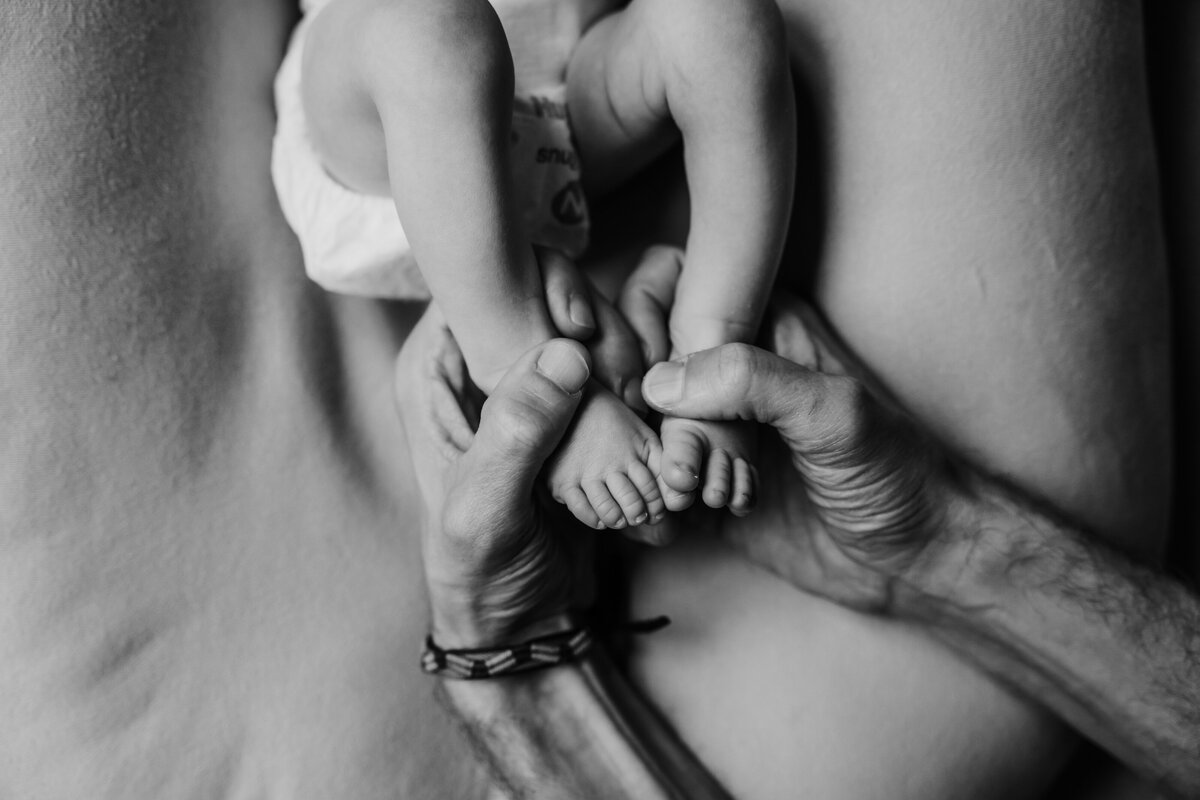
453, 50
719, 42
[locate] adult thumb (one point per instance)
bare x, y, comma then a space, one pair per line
740, 381
520, 425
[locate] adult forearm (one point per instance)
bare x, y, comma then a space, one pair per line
1110, 645
575, 730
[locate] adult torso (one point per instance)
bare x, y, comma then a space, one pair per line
210, 580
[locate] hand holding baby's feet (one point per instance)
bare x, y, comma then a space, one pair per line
605, 470
582, 313
714, 458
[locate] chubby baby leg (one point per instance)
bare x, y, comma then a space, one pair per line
717, 72
414, 100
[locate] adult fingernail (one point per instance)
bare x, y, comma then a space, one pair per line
562, 363
663, 384
580, 312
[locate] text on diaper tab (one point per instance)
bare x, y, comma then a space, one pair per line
557, 155
547, 108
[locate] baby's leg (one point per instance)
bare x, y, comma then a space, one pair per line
415, 97
718, 71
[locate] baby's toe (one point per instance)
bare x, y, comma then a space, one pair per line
578, 504
647, 486
675, 500
683, 453
606, 508
718, 475
633, 508
744, 493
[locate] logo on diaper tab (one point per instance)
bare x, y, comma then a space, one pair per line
568, 206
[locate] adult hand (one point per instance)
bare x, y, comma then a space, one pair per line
851, 504
582, 313
495, 571
500, 570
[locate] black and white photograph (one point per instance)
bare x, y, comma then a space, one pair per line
599, 399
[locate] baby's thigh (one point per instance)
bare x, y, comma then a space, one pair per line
655, 67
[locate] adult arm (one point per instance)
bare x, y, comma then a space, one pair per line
1111, 645
576, 731
988, 243
499, 571
883, 520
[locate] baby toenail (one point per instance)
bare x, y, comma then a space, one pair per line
639, 519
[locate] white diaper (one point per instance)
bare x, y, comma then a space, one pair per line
354, 244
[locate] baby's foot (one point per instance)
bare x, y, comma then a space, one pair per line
714, 457
604, 471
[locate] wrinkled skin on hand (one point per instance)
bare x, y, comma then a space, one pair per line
851, 491
500, 560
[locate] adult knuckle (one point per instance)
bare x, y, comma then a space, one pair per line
517, 424
846, 410
463, 528
735, 366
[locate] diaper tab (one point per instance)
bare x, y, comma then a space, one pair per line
546, 170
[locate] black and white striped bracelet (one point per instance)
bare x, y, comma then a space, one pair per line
477, 663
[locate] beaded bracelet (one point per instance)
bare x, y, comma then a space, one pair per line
476, 663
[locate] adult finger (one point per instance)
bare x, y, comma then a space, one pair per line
569, 296
798, 332
579, 312
617, 355
739, 381
520, 425
646, 299
436, 404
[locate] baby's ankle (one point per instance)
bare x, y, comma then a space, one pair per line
488, 365
488, 379
693, 333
